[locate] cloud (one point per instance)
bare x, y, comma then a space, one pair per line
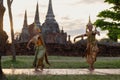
75, 32
65, 18
88, 2
29, 15
43, 5
92, 1
20, 15
73, 27
69, 23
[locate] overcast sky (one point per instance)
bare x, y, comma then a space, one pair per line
72, 15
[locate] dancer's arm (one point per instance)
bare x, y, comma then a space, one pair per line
97, 32
80, 36
28, 44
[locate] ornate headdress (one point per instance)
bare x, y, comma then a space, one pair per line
36, 28
89, 24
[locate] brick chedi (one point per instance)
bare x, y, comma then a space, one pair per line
50, 28
25, 36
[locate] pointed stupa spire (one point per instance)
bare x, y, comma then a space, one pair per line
50, 14
36, 19
50, 25
25, 20
62, 31
69, 38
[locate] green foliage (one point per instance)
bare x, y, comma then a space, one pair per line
113, 2
114, 15
119, 36
110, 20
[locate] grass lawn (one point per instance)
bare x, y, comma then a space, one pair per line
65, 77
61, 62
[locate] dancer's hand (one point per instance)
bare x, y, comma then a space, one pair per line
28, 47
74, 39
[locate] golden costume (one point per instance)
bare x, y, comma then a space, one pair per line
40, 49
92, 48
39, 54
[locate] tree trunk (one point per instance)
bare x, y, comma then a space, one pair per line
3, 37
9, 2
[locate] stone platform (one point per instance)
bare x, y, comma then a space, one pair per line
62, 72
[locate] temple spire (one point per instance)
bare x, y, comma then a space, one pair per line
50, 14
62, 31
25, 19
36, 19
69, 38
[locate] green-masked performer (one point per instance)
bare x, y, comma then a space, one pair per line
39, 50
92, 48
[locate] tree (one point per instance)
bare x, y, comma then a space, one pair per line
9, 3
3, 38
110, 20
